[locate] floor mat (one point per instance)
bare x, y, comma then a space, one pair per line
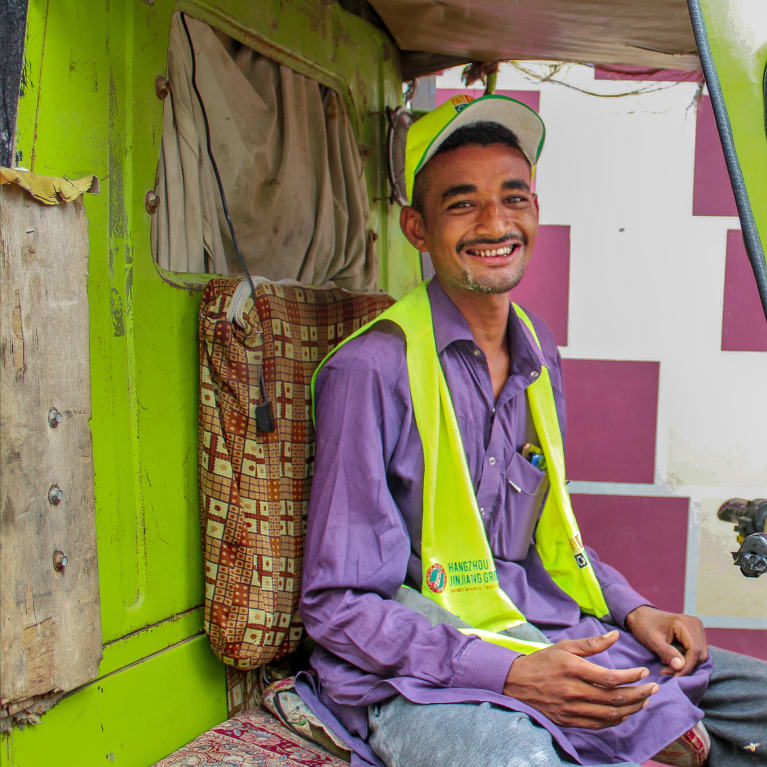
251, 739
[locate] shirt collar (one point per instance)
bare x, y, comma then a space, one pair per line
451, 326
449, 323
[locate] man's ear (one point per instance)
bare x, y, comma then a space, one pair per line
412, 224
537, 205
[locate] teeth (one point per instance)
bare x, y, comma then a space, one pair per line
493, 253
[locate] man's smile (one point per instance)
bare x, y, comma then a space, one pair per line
506, 251
507, 246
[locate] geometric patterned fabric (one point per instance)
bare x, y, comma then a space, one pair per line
254, 485
285, 704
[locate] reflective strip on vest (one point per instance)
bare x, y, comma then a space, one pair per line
458, 568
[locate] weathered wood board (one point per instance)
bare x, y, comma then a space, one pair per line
50, 636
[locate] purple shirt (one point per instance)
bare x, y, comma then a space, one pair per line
363, 543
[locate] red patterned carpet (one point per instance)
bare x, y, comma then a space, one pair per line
251, 739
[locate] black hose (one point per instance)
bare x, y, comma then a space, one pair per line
214, 164
748, 225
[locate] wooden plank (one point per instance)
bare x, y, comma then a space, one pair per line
50, 637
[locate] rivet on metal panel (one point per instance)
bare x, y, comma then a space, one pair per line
161, 86
54, 418
55, 494
60, 560
151, 202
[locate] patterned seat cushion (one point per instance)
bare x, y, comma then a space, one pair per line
254, 481
252, 739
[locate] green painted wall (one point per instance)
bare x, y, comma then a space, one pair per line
737, 31
88, 106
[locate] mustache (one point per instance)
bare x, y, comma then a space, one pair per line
506, 239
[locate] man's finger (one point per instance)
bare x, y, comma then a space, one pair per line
590, 645
673, 660
627, 697
596, 716
608, 677
695, 648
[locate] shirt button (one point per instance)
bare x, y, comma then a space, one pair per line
493, 411
534, 374
491, 461
477, 353
481, 509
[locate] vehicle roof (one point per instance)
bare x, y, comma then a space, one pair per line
652, 33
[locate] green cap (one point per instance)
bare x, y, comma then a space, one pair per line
427, 134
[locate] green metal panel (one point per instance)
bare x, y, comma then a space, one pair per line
131, 718
737, 35
89, 106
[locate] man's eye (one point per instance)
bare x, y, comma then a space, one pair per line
517, 199
459, 205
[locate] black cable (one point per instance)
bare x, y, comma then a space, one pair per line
748, 225
213, 160
264, 415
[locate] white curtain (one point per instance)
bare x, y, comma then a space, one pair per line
289, 164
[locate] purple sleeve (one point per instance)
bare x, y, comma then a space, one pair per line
357, 542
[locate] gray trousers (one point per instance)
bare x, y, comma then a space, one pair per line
483, 735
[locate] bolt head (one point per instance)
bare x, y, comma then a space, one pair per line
54, 418
151, 202
55, 494
60, 560
161, 87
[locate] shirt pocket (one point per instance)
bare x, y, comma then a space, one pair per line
525, 490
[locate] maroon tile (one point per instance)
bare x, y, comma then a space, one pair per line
746, 641
712, 193
628, 72
644, 538
531, 98
744, 327
545, 289
612, 409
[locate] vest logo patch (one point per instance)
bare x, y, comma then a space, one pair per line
581, 560
436, 579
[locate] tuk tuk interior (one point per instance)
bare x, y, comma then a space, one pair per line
141, 679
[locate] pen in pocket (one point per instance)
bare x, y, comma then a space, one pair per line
534, 454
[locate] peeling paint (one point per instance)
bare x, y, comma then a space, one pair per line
315, 12
117, 216
24, 80
87, 70
129, 283
39, 86
118, 318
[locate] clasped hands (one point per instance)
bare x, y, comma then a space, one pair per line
573, 692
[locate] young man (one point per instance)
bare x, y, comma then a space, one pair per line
439, 467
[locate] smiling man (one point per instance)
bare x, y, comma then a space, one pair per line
458, 616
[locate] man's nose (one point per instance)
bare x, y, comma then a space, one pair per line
493, 221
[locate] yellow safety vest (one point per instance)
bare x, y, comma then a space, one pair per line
458, 565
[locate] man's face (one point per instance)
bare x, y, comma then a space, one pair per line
480, 218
